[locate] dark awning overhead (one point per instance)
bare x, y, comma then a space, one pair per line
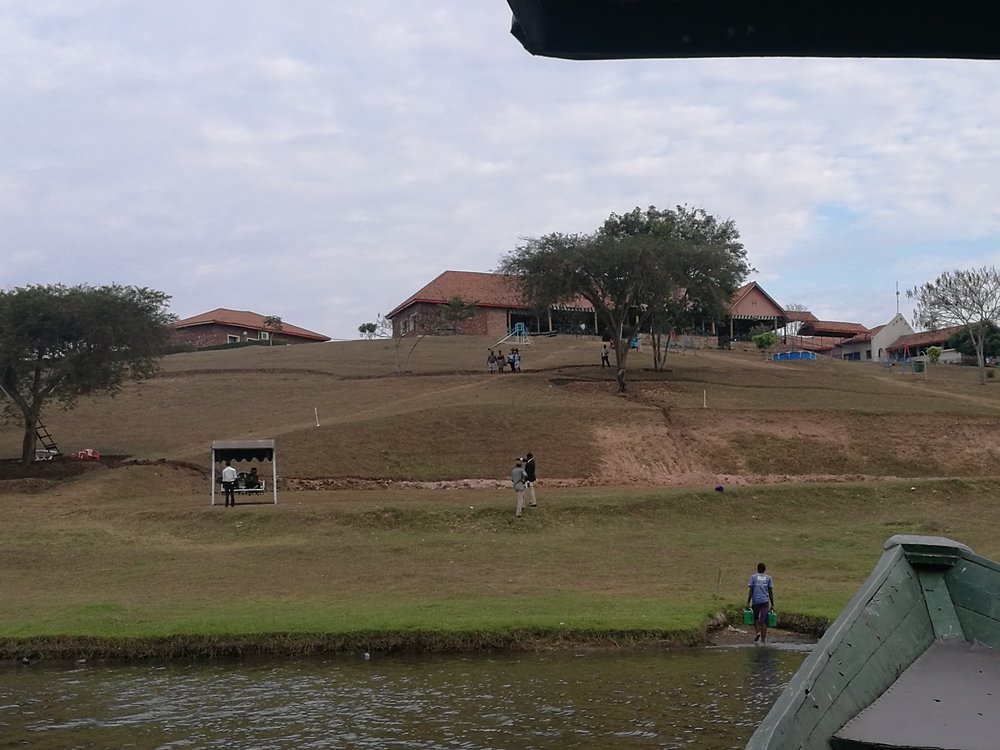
607, 29
243, 450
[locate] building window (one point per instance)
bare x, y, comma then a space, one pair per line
232, 339
264, 335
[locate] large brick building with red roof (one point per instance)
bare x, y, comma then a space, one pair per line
498, 307
222, 326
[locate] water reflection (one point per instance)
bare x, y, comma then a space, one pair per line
701, 699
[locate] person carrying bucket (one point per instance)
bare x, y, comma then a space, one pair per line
760, 598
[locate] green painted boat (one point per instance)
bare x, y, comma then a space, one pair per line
913, 661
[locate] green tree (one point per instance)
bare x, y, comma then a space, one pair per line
961, 298
764, 340
455, 311
59, 343
273, 324
963, 343
934, 354
367, 330
635, 265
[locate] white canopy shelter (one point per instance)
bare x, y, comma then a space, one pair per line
246, 450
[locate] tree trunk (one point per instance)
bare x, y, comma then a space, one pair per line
660, 349
980, 359
621, 354
30, 437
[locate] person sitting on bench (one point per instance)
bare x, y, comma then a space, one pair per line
251, 481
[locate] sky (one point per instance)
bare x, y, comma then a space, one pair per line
321, 161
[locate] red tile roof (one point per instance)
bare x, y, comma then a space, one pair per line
832, 328
485, 289
733, 305
811, 343
800, 316
924, 338
248, 320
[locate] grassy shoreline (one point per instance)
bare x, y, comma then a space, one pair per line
96, 572
285, 645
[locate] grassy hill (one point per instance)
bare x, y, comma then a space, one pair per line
821, 462
447, 419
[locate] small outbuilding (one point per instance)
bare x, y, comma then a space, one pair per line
247, 450
222, 326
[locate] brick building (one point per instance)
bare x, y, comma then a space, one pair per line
222, 326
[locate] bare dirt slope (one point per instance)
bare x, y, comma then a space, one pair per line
714, 417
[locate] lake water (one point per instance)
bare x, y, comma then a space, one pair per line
704, 699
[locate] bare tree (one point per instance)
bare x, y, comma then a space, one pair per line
960, 298
792, 327
383, 327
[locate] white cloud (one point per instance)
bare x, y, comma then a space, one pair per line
345, 154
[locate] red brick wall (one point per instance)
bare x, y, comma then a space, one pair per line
215, 334
489, 321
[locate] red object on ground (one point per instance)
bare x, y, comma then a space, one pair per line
87, 454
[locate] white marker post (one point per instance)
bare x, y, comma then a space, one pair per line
316, 412
704, 399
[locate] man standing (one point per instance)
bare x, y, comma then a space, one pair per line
760, 597
605, 357
529, 471
518, 477
229, 484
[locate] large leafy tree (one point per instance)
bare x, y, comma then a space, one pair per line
59, 343
968, 298
962, 341
636, 265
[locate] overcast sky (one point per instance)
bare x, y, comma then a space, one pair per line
321, 161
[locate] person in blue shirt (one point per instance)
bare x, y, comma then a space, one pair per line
760, 597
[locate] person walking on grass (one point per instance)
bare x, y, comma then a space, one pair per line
529, 471
605, 357
229, 484
760, 598
518, 477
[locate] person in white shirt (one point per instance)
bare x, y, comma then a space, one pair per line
518, 477
229, 484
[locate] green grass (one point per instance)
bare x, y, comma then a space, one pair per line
633, 540
422, 564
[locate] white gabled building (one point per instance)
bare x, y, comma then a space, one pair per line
873, 344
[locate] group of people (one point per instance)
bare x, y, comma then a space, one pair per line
230, 479
497, 361
523, 479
